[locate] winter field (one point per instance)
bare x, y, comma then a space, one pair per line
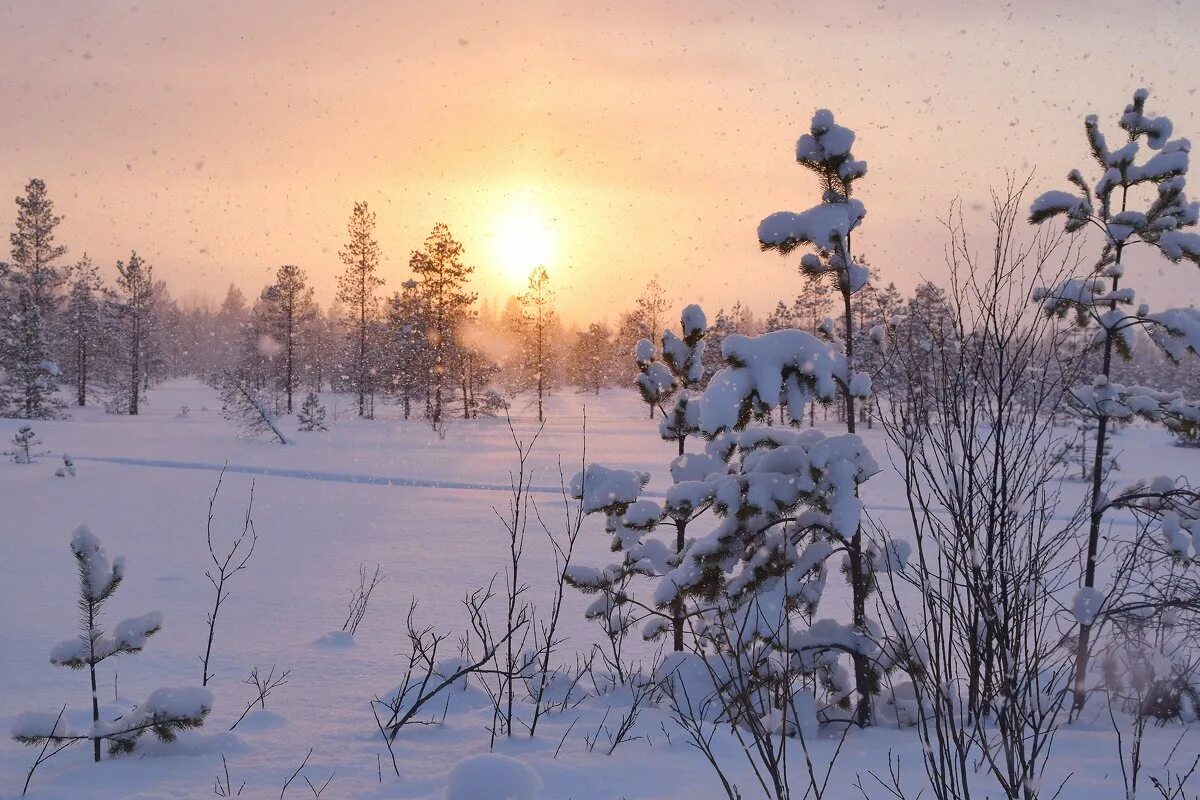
424, 508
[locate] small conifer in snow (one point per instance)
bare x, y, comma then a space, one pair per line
23, 441
312, 414
164, 713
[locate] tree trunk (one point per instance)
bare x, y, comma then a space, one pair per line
135, 364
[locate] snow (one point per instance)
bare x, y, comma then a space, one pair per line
96, 572
823, 226
491, 776
390, 492
1087, 604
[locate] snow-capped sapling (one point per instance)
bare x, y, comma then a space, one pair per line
312, 414
164, 713
1165, 223
24, 441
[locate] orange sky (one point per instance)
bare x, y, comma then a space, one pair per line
222, 139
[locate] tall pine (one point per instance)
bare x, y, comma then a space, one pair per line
442, 278
357, 288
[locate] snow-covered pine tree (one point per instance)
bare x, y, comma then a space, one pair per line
286, 309
132, 304
734, 320
242, 404
23, 443
34, 251
26, 362
29, 298
442, 278
828, 229
784, 503
85, 331
312, 414
1131, 203
356, 289
166, 712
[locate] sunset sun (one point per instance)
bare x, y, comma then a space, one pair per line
524, 237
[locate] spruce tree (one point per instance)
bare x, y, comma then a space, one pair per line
312, 414
356, 288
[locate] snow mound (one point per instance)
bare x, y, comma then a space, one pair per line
335, 640
489, 776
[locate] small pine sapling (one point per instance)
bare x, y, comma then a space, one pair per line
312, 414
24, 441
165, 712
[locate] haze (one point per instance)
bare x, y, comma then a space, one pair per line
223, 139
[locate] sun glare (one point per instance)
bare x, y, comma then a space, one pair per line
523, 238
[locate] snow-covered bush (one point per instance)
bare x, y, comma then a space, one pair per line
67, 470
312, 414
164, 713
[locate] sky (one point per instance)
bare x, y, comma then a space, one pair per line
615, 141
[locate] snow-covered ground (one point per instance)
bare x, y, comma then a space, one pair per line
388, 492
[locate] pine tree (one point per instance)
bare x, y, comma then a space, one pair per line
286, 310
356, 288
29, 296
132, 303
231, 320
592, 358
165, 712
406, 334
34, 251
828, 229
536, 352
23, 442
243, 405
85, 329
1099, 299
29, 370
312, 414
442, 278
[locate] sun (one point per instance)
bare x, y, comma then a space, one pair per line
523, 237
